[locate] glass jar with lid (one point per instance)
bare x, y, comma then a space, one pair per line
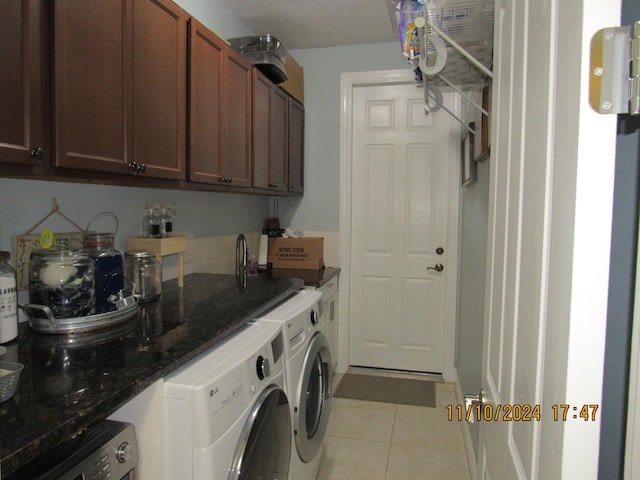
8, 300
62, 278
143, 273
109, 276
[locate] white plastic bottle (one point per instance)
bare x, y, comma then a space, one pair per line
8, 300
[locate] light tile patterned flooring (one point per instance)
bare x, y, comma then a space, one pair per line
384, 441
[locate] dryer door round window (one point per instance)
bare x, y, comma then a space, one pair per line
314, 399
265, 442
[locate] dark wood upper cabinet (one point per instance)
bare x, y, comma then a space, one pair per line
206, 57
120, 87
270, 112
219, 111
278, 121
101, 90
25, 126
296, 146
159, 87
236, 128
92, 85
260, 141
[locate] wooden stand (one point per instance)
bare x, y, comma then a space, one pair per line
161, 247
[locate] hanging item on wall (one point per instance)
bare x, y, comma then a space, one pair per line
28, 242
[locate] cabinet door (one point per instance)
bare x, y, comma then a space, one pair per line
236, 159
260, 145
93, 104
270, 113
24, 82
159, 87
296, 146
207, 56
278, 120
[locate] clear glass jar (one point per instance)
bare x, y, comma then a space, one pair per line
108, 269
143, 272
62, 279
8, 300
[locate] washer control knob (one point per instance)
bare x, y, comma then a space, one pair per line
313, 317
262, 367
123, 453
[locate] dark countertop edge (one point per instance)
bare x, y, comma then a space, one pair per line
103, 409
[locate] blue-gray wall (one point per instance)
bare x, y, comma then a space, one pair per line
621, 286
320, 208
198, 214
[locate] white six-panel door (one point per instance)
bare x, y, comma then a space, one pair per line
402, 202
550, 208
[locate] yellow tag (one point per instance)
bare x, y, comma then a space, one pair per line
46, 238
4, 371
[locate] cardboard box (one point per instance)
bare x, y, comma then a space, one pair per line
298, 253
294, 85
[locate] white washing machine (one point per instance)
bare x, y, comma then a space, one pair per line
308, 377
227, 414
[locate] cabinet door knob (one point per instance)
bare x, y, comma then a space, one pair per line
137, 167
38, 153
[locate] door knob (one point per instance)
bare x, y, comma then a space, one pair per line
473, 405
438, 267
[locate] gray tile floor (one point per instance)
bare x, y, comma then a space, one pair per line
384, 441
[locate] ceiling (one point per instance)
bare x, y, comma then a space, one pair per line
302, 24
316, 24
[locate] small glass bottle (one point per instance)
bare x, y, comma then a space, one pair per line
166, 222
151, 222
109, 278
144, 272
8, 300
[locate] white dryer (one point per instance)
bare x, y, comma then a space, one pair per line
308, 378
227, 415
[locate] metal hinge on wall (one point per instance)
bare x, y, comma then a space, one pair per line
614, 79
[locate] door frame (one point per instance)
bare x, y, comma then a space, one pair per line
348, 81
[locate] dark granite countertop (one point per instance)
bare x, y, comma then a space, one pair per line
70, 382
313, 278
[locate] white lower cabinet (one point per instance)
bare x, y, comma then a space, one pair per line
330, 312
146, 412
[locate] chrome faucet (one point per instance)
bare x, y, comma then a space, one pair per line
241, 255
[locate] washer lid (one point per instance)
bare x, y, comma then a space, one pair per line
294, 305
